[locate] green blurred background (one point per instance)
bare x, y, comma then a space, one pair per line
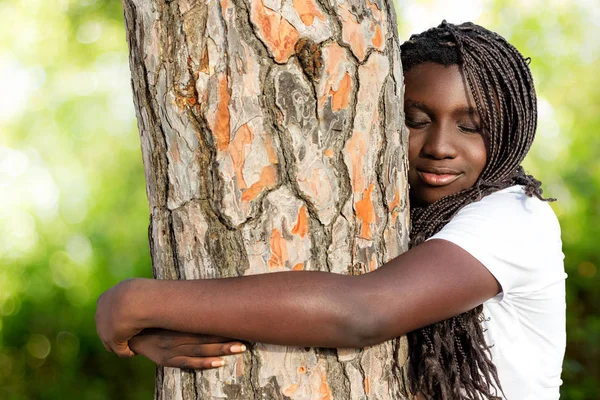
73, 210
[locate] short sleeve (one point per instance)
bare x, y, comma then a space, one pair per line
516, 237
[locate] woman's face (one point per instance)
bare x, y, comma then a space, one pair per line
447, 151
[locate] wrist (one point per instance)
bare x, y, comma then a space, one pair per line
138, 296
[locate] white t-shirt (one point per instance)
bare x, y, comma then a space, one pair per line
517, 238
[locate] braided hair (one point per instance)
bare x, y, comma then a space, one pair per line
450, 359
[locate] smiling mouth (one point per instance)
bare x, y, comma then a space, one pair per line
441, 177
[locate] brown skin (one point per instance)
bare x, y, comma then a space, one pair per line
429, 283
445, 138
183, 350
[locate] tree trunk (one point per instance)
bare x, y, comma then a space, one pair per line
273, 139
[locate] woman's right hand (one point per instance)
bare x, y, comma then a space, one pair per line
184, 350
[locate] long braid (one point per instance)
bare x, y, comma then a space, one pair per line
450, 359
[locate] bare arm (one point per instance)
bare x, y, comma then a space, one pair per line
429, 283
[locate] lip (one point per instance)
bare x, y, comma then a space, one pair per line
434, 176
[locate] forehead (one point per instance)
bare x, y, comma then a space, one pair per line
438, 86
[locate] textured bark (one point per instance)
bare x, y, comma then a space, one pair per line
273, 139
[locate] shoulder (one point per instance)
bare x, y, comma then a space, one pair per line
509, 215
515, 236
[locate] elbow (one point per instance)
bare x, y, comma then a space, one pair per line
362, 314
364, 327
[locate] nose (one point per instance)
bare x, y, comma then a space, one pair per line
439, 143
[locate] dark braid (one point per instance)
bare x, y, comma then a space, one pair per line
450, 359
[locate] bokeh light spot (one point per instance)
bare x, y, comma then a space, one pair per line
63, 272
419, 16
13, 163
79, 248
5, 365
19, 233
89, 32
16, 86
587, 269
78, 295
8, 307
67, 345
38, 346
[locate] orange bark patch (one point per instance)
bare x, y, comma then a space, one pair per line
365, 212
279, 253
239, 366
237, 151
367, 386
298, 267
308, 10
372, 263
301, 369
301, 227
379, 21
341, 97
324, 389
268, 179
271, 153
395, 205
186, 97
352, 32
334, 56
224, 5
356, 148
279, 35
220, 126
328, 152
174, 150
339, 81
205, 61
378, 38
291, 390
376, 11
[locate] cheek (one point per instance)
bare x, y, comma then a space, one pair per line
478, 156
413, 148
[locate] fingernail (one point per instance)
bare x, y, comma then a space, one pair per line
215, 364
238, 348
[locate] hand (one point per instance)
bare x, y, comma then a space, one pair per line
184, 350
115, 321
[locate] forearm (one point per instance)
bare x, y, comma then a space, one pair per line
430, 283
293, 308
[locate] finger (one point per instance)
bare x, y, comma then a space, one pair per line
122, 350
177, 338
209, 350
195, 362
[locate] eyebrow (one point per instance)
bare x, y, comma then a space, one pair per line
423, 107
469, 110
418, 105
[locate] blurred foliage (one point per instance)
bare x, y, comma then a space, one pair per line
73, 213
73, 210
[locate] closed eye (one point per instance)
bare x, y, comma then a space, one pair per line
415, 123
469, 129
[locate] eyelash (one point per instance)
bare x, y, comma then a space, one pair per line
468, 129
417, 125
420, 124
414, 124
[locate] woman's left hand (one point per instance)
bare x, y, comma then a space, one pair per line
116, 321
184, 350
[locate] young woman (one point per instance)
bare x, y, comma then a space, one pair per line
481, 291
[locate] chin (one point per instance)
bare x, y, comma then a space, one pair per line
420, 200
425, 197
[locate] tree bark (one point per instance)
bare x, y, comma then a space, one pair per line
273, 139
